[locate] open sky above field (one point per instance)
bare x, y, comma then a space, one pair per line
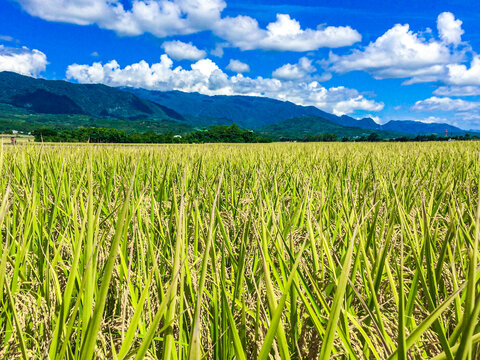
413, 60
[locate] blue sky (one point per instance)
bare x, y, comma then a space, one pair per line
385, 59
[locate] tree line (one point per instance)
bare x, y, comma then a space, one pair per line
374, 137
217, 133
214, 134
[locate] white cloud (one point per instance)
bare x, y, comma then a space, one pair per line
449, 29
402, 53
353, 102
238, 66
94, 54
164, 18
468, 116
432, 120
205, 77
179, 50
160, 17
218, 50
7, 38
285, 34
462, 113
467, 120
457, 91
435, 103
458, 74
375, 118
399, 53
22, 60
206, 67
297, 71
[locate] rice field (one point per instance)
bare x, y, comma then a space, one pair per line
271, 251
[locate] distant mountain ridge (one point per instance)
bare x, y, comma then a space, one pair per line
301, 127
411, 126
258, 112
61, 97
27, 103
246, 111
365, 123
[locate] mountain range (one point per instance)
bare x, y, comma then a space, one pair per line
258, 112
27, 103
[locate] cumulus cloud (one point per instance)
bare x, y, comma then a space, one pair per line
218, 50
461, 113
238, 66
399, 53
179, 17
285, 34
459, 74
469, 116
205, 77
402, 53
297, 71
159, 17
179, 50
22, 60
355, 101
375, 118
457, 91
432, 120
435, 103
449, 28
466, 120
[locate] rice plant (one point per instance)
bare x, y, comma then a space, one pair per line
268, 251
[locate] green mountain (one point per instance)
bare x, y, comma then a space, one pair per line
41, 96
300, 127
249, 112
256, 112
27, 103
418, 128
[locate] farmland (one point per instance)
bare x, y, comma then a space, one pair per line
287, 251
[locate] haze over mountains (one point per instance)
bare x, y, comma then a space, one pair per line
27, 103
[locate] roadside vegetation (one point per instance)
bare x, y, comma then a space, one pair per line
245, 251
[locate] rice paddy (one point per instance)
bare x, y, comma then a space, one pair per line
268, 251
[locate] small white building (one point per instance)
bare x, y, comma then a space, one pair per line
177, 136
14, 132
